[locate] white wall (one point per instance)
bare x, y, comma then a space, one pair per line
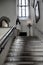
8, 8
40, 23
38, 30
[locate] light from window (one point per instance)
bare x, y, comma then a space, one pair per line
19, 2
20, 11
27, 11
37, 13
23, 8
23, 11
26, 2
23, 2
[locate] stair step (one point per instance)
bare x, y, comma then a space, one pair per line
31, 47
12, 59
29, 53
28, 37
19, 63
14, 54
34, 49
28, 50
25, 58
25, 51
24, 64
18, 46
22, 43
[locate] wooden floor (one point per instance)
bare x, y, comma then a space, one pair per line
25, 51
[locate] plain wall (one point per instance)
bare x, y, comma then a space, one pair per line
40, 22
38, 30
8, 8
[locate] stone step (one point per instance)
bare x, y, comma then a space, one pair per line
24, 58
31, 47
23, 42
26, 50
27, 53
19, 63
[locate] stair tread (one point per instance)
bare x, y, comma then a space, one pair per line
13, 59
34, 50
25, 51
28, 63
29, 54
17, 63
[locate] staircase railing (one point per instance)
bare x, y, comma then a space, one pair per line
5, 38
